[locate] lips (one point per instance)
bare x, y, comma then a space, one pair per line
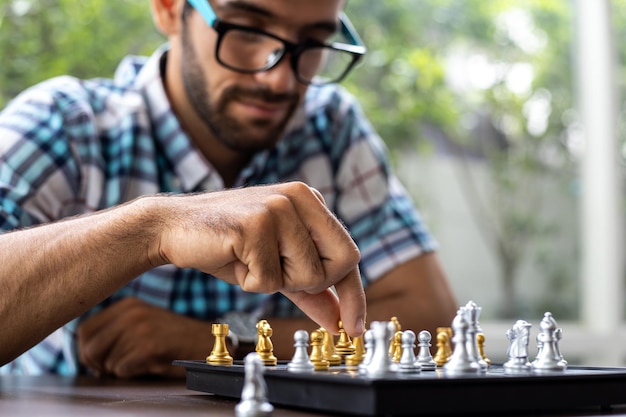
264, 110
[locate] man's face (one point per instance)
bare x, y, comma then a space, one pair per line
249, 112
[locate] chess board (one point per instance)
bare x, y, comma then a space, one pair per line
343, 390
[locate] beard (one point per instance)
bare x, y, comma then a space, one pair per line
246, 137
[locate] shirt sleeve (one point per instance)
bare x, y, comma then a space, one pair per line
38, 171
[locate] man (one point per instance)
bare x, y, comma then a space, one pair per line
227, 105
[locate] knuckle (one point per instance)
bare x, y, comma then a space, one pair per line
318, 195
299, 187
256, 285
279, 203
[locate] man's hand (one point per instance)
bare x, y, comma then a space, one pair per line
268, 239
132, 338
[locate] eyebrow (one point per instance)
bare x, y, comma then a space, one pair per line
330, 26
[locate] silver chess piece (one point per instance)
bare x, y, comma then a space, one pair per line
380, 365
460, 360
301, 362
254, 394
549, 357
424, 357
517, 352
368, 341
558, 334
408, 362
472, 311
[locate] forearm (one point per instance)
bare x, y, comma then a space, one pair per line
411, 315
53, 273
281, 238
417, 293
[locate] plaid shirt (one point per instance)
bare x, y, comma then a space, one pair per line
70, 146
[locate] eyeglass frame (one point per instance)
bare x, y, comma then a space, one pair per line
357, 49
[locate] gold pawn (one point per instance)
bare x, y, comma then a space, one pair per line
444, 349
397, 347
344, 345
219, 355
480, 339
328, 348
359, 352
396, 324
264, 346
316, 356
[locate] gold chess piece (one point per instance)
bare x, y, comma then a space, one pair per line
444, 347
397, 347
398, 327
359, 352
316, 356
480, 339
344, 346
219, 354
328, 348
264, 346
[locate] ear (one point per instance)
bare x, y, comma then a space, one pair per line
167, 15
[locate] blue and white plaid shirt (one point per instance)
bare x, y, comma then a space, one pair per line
70, 146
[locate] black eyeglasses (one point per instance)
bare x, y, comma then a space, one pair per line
248, 50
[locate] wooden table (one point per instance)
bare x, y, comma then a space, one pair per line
53, 396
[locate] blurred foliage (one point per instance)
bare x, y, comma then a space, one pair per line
488, 80
40, 39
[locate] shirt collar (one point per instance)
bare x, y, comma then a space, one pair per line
146, 76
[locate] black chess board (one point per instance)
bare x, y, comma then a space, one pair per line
343, 390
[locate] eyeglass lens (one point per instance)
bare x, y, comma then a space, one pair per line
252, 51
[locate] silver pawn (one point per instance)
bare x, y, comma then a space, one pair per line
300, 362
253, 396
408, 361
424, 357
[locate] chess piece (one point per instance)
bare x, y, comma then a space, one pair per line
264, 345
408, 362
548, 358
380, 365
517, 352
344, 346
480, 339
558, 334
328, 348
444, 346
460, 361
317, 357
359, 352
397, 346
472, 311
424, 358
396, 324
253, 395
300, 361
368, 340
219, 354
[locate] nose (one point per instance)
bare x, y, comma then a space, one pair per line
281, 78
